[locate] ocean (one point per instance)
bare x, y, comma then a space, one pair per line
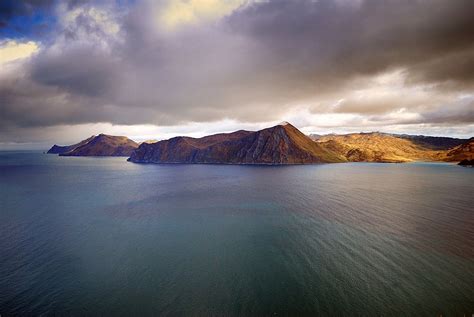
102, 236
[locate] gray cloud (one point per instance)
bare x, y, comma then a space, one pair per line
335, 39
253, 65
81, 70
459, 112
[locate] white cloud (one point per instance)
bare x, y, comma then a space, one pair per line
176, 13
13, 50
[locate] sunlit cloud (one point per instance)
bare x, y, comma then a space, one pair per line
13, 50
181, 12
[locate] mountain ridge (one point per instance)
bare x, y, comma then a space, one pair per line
280, 144
100, 145
58, 149
385, 147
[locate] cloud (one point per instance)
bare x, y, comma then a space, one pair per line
456, 68
178, 12
13, 50
459, 111
177, 62
388, 93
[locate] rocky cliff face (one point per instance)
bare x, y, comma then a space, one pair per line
101, 145
281, 144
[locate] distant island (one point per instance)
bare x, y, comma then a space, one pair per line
279, 145
100, 145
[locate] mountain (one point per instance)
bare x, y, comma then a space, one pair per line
57, 149
461, 152
433, 142
100, 145
281, 144
377, 147
383, 147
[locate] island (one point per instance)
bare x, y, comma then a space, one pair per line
282, 144
100, 145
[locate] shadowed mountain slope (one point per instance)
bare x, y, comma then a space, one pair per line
58, 149
433, 142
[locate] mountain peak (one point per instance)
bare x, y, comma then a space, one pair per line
100, 145
280, 144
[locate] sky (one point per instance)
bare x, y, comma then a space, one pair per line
156, 69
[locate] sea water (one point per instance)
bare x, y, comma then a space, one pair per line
102, 236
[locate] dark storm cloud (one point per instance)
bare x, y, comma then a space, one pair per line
457, 66
80, 70
459, 112
328, 39
249, 66
39, 105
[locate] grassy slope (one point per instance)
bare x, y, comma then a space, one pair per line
377, 147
